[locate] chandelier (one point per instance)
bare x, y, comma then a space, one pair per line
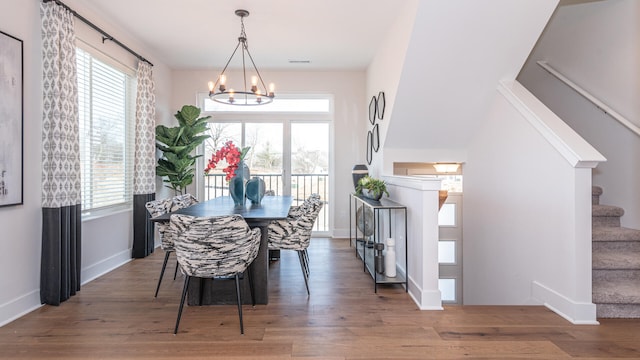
253, 95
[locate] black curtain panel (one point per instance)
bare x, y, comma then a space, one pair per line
61, 254
143, 231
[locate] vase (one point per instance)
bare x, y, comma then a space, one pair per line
255, 190
237, 185
371, 195
359, 171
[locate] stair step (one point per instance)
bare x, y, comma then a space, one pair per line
619, 311
614, 275
616, 260
596, 191
606, 215
619, 291
604, 233
606, 210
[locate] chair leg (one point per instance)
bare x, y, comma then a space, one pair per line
251, 288
175, 273
239, 298
184, 295
306, 257
164, 266
306, 261
304, 272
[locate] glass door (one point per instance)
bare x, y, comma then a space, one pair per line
265, 159
310, 165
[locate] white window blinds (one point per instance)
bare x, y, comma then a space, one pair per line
106, 106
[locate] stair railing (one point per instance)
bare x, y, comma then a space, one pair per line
599, 104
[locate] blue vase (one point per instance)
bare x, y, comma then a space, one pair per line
237, 185
237, 191
255, 190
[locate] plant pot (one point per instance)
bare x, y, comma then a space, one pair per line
370, 195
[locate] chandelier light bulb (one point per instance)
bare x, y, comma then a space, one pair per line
211, 86
254, 83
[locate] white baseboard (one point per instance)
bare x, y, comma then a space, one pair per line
19, 307
96, 270
340, 233
25, 304
425, 299
577, 313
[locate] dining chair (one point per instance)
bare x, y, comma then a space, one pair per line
221, 247
161, 207
294, 232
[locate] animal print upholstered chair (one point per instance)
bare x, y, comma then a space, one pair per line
294, 232
161, 207
214, 247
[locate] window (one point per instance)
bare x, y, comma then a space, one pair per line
106, 94
290, 146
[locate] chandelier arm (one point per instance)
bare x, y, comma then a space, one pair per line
225, 65
244, 67
266, 93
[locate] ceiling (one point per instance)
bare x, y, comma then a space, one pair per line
198, 34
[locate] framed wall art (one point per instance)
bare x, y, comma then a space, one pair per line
369, 147
373, 107
11, 120
380, 104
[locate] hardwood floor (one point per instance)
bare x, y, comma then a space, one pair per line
116, 317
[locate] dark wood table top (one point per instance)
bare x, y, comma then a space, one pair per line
271, 208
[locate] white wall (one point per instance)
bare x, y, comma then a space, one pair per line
21, 224
348, 138
457, 53
383, 74
106, 241
597, 46
527, 233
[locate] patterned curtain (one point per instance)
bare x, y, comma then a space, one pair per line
144, 183
61, 207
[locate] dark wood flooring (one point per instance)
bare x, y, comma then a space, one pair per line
116, 317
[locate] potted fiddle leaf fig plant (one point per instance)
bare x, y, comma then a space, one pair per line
177, 143
371, 188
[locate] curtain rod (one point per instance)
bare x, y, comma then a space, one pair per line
105, 36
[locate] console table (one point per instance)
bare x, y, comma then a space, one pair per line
365, 247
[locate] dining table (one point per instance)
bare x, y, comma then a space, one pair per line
210, 291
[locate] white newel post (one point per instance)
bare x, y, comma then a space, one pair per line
420, 196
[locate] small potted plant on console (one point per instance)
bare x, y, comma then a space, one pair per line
371, 188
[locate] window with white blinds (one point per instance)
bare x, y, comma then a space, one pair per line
106, 96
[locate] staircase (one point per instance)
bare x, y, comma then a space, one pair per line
616, 262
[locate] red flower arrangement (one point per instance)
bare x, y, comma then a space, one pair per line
231, 154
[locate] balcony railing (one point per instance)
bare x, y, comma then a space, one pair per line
302, 186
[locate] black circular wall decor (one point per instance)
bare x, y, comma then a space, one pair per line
373, 108
381, 102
